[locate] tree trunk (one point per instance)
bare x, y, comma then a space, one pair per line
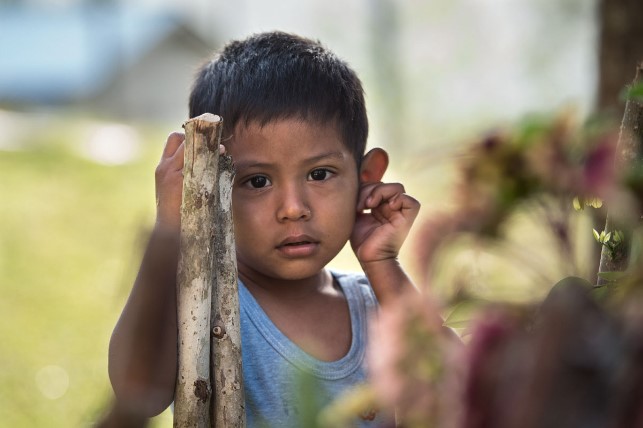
620, 50
629, 151
196, 271
228, 404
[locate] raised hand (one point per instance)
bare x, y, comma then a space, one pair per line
379, 234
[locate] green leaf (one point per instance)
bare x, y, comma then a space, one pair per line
612, 276
578, 206
634, 92
594, 202
619, 236
607, 237
596, 235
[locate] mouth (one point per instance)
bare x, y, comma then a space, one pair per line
294, 241
298, 246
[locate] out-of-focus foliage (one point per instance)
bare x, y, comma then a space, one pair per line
547, 162
573, 359
633, 92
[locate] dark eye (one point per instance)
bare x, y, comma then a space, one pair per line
319, 174
259, 181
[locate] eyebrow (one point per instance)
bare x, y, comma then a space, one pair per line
314, 159
324, 156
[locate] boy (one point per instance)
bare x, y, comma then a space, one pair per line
295, 125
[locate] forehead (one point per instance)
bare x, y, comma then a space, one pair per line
291, 137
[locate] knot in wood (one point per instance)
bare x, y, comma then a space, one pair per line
202, 390
218, 331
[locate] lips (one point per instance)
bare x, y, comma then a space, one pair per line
298, 246
297, 240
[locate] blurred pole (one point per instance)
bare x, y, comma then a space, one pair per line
385, 56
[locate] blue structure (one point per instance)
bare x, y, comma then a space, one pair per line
57, 56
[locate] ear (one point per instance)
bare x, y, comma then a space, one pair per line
374, 165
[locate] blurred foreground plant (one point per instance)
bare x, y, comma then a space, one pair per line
546, 168
573, 360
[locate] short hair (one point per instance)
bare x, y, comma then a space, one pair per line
276, 75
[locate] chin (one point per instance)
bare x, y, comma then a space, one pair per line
285, 269
293, 271
298, 273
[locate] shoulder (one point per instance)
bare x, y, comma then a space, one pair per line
351, 279
356, 286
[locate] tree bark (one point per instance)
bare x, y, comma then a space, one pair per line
629, 151
196, 270
620, 50
228, 404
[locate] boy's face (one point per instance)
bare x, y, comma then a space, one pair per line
294, 197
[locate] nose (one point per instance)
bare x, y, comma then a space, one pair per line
293, 204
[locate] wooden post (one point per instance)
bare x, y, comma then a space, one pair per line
629, 150
228, 404
195, 275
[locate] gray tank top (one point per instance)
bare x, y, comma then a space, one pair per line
281, 380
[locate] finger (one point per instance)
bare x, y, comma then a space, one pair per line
380, 216
173, 163
403, 202
381, 193
174, 141
221, 149
365, 192
177, 159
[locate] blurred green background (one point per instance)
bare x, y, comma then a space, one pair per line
71, 233
90, 89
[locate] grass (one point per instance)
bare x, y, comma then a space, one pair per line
70, 237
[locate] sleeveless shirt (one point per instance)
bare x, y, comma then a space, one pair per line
277, 373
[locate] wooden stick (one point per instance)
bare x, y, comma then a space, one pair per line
228, 404
629, 151
196, 272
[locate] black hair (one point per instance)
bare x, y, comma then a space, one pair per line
275, 75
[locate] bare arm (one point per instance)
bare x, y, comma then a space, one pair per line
389, 280
143, 347
379, 235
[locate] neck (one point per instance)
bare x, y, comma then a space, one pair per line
285, 289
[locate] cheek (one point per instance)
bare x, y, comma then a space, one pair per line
344, 208
247, 218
